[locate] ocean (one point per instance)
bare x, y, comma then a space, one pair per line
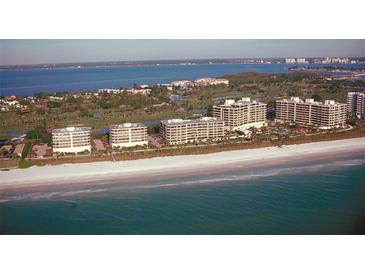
307, 197
29, 82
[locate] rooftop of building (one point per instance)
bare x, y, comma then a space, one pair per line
205, 79
211, 79
243, 101
356, 92
40, 150
99, 145
7, 148
311, 101
71, 129
190, 121
127, 125
181, 81
19, 148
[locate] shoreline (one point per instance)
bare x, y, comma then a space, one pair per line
172, 166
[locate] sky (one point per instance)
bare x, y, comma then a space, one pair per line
18, 52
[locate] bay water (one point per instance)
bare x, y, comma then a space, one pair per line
31, 81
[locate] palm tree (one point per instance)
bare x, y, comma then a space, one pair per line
264, 132
253, 131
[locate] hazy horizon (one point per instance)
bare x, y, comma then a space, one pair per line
34, 52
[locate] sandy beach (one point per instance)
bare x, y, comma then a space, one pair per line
98, 171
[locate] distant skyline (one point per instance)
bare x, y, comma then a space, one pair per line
23, 52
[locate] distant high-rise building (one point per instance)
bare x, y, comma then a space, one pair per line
296, 61
301, 61
336, 60
128, 135
356, 103
242, 114
71, 139
290, 60
329, 114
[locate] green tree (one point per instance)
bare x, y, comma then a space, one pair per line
210, 110
153, 129
41, 95
84, 112
46, 138
271, 104
33, 134
317, 97
41, 110
25, 151
54, 104
61, 93
71, 100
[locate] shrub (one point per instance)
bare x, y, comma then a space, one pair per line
317, 97
33, 134
25, 164
25, 150
54, 104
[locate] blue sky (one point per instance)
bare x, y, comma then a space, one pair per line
15, 52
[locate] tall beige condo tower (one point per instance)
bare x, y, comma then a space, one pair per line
71, 139
128, 135
242, 114
179, 131
356, 103
329, 114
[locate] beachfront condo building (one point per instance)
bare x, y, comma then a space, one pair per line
71, 139
128, 135
179, 131
242, 114
329, 114
356, 103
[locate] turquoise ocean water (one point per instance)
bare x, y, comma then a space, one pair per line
309, 197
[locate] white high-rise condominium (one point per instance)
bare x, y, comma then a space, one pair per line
128, 135
242, 114
356, 103
329, 114
179, 131
71, 139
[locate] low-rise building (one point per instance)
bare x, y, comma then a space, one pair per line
179, 131
99, 145
128, 135
71, 139
210, 82
134, 91
182, 83
18, 150
242, 114
356, 103
329, 114
40, 151
109, 90
6, 149
10, 104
